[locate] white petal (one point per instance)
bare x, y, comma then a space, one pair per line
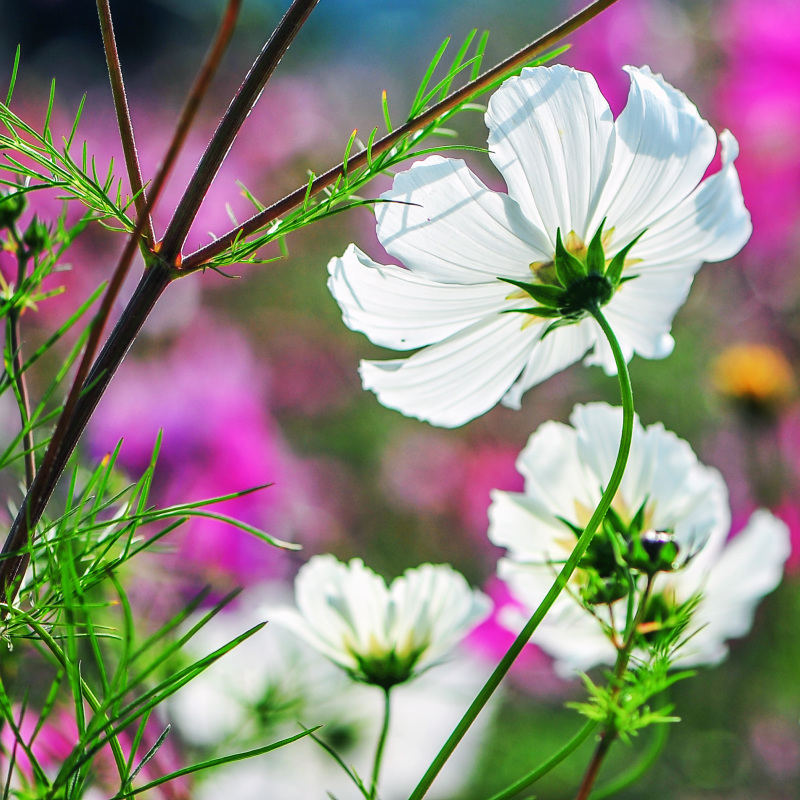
640, 314
443, 223
599, 429
551, 136
750, 567
528, 531
711, 224
450, 383
663, 148
400, 309
343, 607
555, 476
576, 640
559, 349
436, 609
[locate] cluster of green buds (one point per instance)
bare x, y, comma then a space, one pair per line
576, 282
619, 552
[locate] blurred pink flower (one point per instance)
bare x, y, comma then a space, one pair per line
488, 465
776, 744
635, 32
759, 98
209, 396
310, 376
424, 471
50, 746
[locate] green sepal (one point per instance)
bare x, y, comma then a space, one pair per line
576, 529
616, 520
537, 311
605, 589
568, 268
558, 323
614, 271
637, 523
37, 236
550, 296
595, 257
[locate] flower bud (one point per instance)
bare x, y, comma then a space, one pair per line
36, 237
11, 207
605, 589
653, 551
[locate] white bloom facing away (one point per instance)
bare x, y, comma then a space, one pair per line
568, 166
378, 634
565, 469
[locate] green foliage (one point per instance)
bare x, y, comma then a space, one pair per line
34, 161
344, 193
622, 704
74, 613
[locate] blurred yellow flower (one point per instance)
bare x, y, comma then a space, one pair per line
757, 374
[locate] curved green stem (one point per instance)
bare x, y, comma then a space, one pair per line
376, 764
570, 747
561, 581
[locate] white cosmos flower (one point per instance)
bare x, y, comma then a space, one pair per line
568, 166
565, 469
378, 634
258, 692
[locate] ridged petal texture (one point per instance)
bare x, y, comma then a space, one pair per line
352, 617
565, 469
568, 166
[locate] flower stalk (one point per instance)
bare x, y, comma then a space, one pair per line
563, 577
124, 122
17, 362
609, 733
376, 764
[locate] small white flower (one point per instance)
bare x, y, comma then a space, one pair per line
565, 469
259, 691
568, 166
378, 634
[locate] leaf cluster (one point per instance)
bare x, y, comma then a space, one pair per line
623, 704
74, 615
35, 161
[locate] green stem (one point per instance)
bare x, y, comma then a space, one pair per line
376, 764
561, 581
570, 747
18, 363
609, 734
